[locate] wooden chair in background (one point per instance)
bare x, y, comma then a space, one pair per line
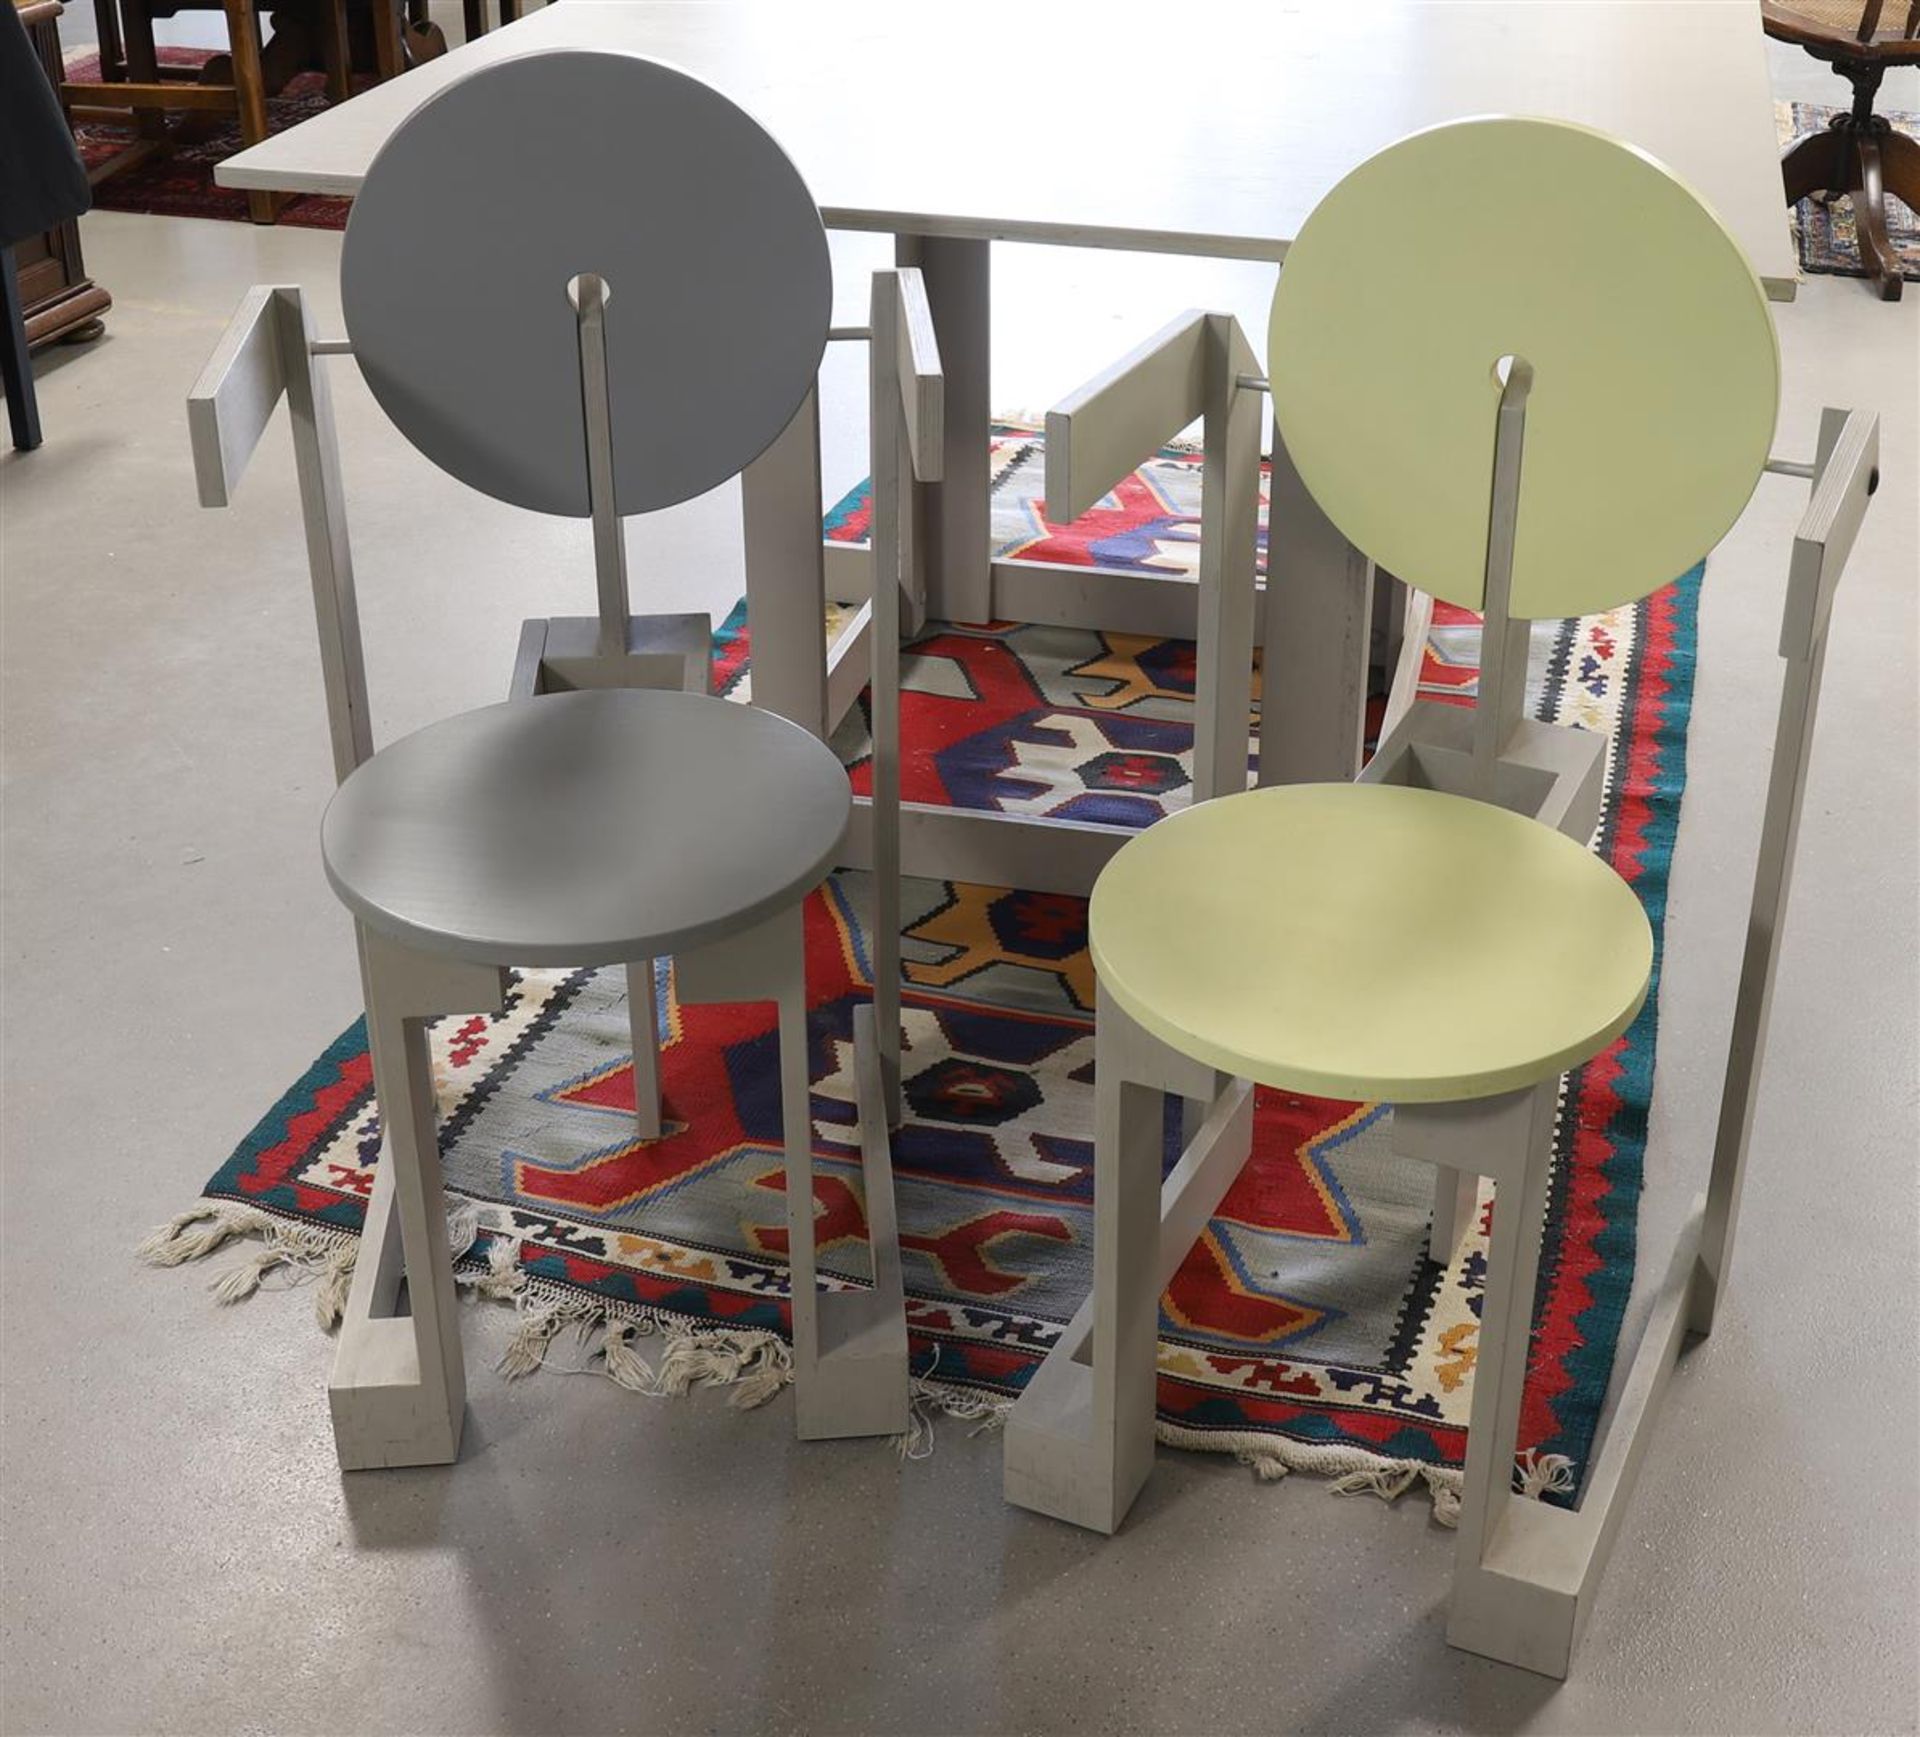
1859, 154
376, 38
1411, 939
613, 812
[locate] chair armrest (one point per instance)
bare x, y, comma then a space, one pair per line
923, 387
1844, 477
1124, 415
232, 402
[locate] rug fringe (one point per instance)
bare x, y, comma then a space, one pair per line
1351, 1471
751, 1363
305, 1250
928, 1399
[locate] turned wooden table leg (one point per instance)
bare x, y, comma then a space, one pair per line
335, 54
389, 57
250, 95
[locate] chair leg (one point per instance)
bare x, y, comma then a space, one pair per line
643, 1017
1870, 219
1456, 1197
1822, 162
474, 17
849, 1346
16, 365
398, 1388
1080, 1442
1900, 167
1492, 1613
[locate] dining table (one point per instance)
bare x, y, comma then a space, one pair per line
1209, 131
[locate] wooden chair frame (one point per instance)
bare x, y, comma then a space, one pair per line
1859, 154
1192, 369
1080, 1442
398, 1385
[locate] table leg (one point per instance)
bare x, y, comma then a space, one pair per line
389, 54
140, 63
335, 54
1318, 632
959, 555
113, 54
250, 94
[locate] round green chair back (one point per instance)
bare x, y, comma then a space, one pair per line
1656, 370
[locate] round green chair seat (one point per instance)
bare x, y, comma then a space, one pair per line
1374, 942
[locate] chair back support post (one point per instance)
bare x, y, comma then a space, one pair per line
1229, 529
1503, 639
267, 352
907, 406
323, 510
589, 296
1845, 475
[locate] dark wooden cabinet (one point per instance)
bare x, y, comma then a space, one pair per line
58, 299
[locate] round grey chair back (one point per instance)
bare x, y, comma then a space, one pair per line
482, 209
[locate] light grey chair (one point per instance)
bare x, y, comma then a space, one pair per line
610, 312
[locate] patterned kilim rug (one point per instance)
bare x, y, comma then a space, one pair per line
1825, 231
181, 184
1308, 1329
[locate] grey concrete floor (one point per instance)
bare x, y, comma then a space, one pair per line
180, 1553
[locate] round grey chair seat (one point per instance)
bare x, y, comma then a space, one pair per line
586, 828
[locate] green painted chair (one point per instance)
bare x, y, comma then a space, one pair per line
1534, 430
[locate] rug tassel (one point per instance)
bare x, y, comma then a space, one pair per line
1535, 1474
336, 1279
526, 1350
236, 1283
197, 1232
1388, 1482
928, 1399
501, 1277
623, 1365
463, 1228
768, 1370
755, 1366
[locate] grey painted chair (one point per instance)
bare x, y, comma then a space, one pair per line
655, 324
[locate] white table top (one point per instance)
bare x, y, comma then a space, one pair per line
1209, 131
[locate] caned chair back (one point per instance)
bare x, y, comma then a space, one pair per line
483, 208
